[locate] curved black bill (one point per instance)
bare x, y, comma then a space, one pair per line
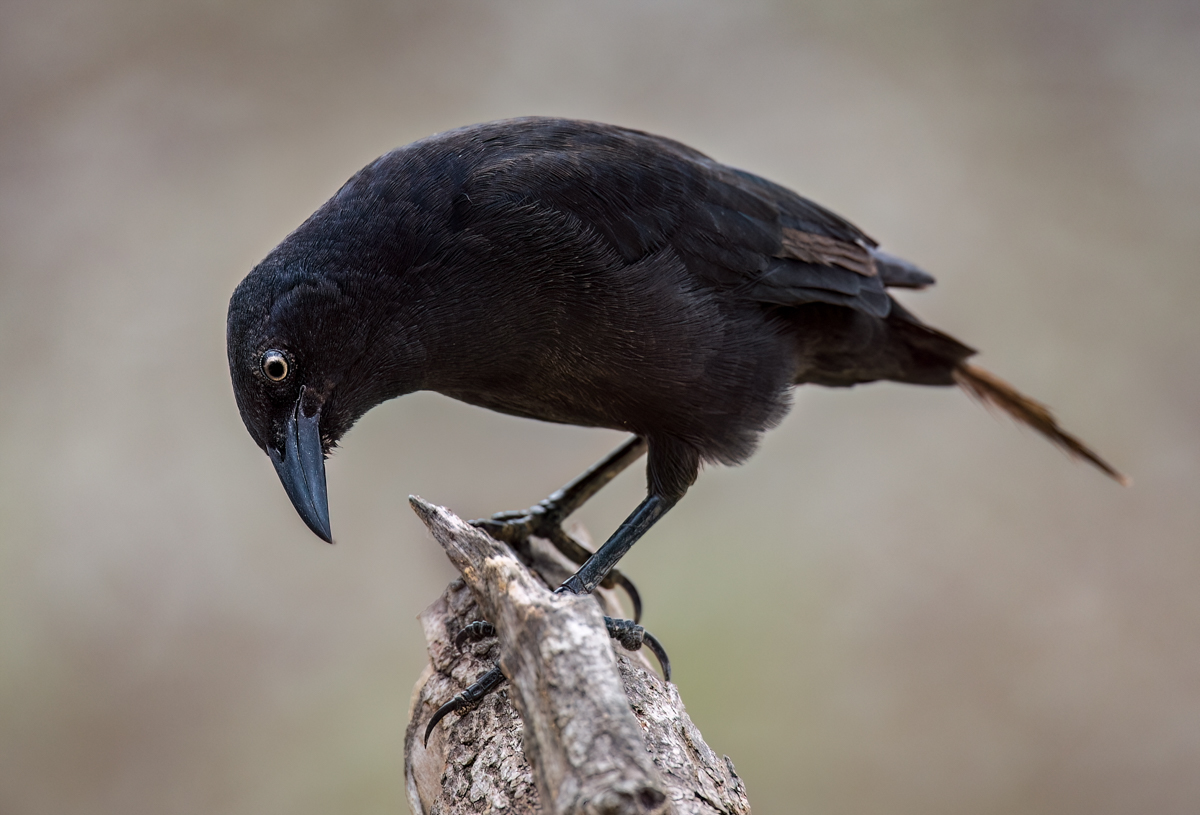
301, 468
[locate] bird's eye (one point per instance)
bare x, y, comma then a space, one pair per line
275, 366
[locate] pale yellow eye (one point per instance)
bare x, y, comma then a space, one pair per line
275, 366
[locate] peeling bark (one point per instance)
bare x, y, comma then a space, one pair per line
581, 723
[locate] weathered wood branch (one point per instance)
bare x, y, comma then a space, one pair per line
581, 726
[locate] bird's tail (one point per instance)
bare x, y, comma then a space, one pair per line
995, 392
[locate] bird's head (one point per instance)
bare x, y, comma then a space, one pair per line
308, 356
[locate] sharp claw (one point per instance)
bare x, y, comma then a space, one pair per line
654, 645
441, 713
480, 688
634, 596
633, 636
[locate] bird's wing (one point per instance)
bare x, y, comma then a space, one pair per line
733, 230
799, 252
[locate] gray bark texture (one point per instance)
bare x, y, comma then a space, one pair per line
582, 726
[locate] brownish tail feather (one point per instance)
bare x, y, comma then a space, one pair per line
995, 392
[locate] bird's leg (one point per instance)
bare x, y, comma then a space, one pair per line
592, 573
552, 511
545, 519
579, 554
571, 497
599, 566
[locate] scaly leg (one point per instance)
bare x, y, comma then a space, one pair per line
592, 573
545, 519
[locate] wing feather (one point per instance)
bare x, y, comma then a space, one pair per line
732, 229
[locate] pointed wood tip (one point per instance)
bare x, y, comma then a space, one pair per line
426, 511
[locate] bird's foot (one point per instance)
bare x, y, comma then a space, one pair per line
629, 634
544, 520
632, 637
516, 526
472, 632
468, 699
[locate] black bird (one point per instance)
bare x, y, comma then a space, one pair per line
580, 273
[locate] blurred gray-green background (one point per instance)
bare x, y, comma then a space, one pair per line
900, 605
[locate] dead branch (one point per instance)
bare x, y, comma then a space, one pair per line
577, 728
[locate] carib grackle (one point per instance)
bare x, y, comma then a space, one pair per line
580, 273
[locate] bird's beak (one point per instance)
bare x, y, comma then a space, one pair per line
301, 468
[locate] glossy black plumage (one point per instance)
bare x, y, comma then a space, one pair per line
580, 273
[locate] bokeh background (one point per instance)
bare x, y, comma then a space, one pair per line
901, 604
